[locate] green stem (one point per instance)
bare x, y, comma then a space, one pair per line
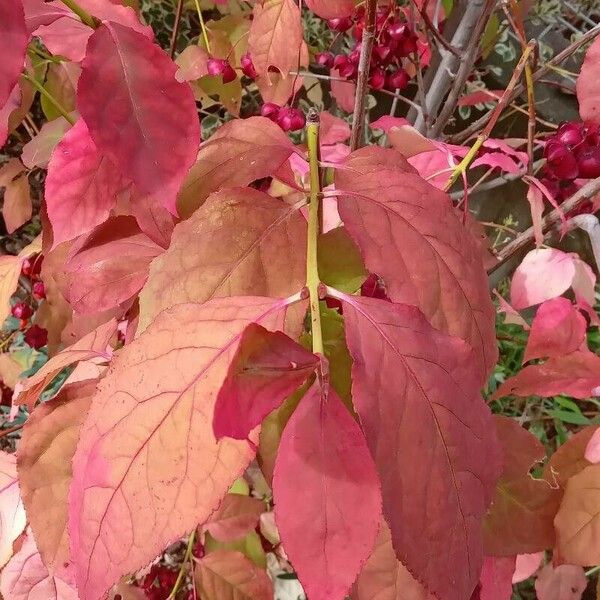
85, 17
186, 559
42, 90
203, 26
312, 271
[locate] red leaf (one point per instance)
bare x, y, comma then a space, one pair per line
66, 37
26, 577
152, 217
426, 425
145, 123
275, 36
577, 375
148, 468
558, 328
39, 12
410, 235
109, 266
81, 187
588, 84
330, 9
521, 516
240, 152
13, 44
496, 578
329, 530
266, 369
333, 130
236, 516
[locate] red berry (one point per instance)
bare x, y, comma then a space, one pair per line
561, 161
377, 79
357, 32
21, 311
39, 290
36, 337
570, 134
325, 59
270, 110
398, 80
167, 578
32, 265
383, 53
291, 119
248, 66
588, 160
220, 66
340, 24
344, 67
407, 46
398, 30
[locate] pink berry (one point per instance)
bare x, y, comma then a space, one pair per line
398, 30
382, 52
561, 161
221, 66
325, 59
407, 46
36, 337
377, 79
570, 134
398, 80
291, 119
344, 67
248, 66
270, 110
588, 160
340, 24
21, 311
39, 290
32, 265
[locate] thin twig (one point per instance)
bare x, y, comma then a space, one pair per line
551, 220
178, 14
362, 84
434, 30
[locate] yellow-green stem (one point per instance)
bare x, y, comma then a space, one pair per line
462, 167
42, 90
312, 270
85, 17
182, 569
202, 26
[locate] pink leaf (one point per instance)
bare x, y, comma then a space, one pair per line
275, 36
592, 450
38, 151
557, 329
81, 187
536, 205
409, 235
329, 530
66, 37
12, 513
109, 266
148, 468
13, 43
576, 374
330, 9
588, 84
266, 369
526, 566
147, 125
343, 92
235, 517
26, 578
565, 582
544, 274
333, 130
496, 578
425, 424
39, 12
152, 217
12, 104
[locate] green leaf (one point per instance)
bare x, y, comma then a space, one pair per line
340, 263
250, 546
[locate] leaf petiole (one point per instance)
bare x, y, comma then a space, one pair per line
85, 17
44, 92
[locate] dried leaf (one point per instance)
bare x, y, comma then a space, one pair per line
17, 207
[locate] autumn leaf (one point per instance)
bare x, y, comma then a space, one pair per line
495, 581
266, 369
331, 9
575, 522
109, 266
240, 152
558, 328
17, 206
588, 85
229, 575
410, 236
236, 516
66, 36
44, 465
148, 440
564, 582
145, 124
25, 577
13, 44
426, 424
61, 82
38, 151
520, 519
323, 453
260, 251
576, 374
275, 36
12, 513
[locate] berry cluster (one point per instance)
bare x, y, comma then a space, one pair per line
159, 582
395, 41
34, 335
573, 152
289, 119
